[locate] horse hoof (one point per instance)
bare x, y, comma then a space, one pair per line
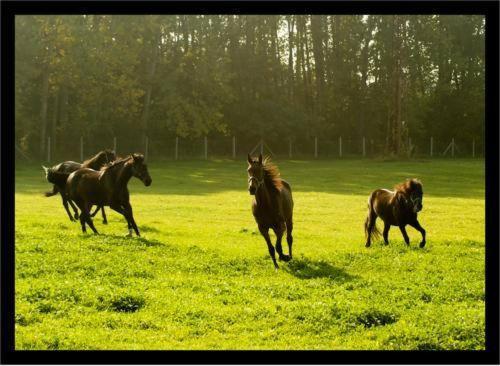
367, 245
422, 244
286, 258
105, 222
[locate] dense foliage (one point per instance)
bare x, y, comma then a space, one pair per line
279, 77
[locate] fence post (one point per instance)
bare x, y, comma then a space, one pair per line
473, 148
48, 149
146, 148
176, 147
340, 146
364, 147
81, 148
290, 148
234, 147
315, 147
452, 147
114, 144
206, 148
432, 143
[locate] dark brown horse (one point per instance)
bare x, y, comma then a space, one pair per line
107, 187
96, 162
396, 208
272, 205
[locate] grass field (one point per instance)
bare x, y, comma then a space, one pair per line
200, 277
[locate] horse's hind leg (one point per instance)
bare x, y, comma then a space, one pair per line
417, 226
405, 235
385, 233
265, 234
369, 227
88, 219
75, 210
289, 237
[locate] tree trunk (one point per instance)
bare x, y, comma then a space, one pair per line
149, 85
290, 21
55, 117
43, 109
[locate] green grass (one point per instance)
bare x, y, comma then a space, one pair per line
200, 277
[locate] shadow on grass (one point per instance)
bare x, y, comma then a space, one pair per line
305, 268
135, 240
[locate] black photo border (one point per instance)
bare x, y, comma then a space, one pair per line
9, 9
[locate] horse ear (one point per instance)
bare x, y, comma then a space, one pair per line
260, 158
249, 159
45, 169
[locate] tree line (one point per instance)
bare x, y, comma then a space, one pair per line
251, 76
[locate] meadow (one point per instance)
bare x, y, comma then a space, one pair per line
200, 276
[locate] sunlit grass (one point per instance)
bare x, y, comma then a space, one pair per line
200, 276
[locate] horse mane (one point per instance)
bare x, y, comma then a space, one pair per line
116, 162
272, 173
407, 186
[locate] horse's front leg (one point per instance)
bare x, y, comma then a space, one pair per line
104, 219
417, 226
119, 208
405, 235
130, 217
265, 233
65, 204
279, 229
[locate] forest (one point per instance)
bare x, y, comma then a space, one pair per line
391, 78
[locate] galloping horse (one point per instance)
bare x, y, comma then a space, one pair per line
272, 205
107, 187
96, 162
397, 208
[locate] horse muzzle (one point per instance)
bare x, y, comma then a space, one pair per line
252, 190
147, 182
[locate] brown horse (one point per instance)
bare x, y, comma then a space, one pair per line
96, 162
397, 208
107, 187
272, 205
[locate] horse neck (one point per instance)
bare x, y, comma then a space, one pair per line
93, 163
123, 175
119, 176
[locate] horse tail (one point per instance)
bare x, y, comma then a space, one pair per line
53, 192
370, 217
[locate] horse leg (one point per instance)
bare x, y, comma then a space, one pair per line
104, 220
121, 211
82, 218
289, 237
65, 204
264, 231
279, 230
417, 226
405, 235
385, 233
75, 210
369, 225
128, 211
87, 217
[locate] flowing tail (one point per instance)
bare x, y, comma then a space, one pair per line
370, 227
53, 192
